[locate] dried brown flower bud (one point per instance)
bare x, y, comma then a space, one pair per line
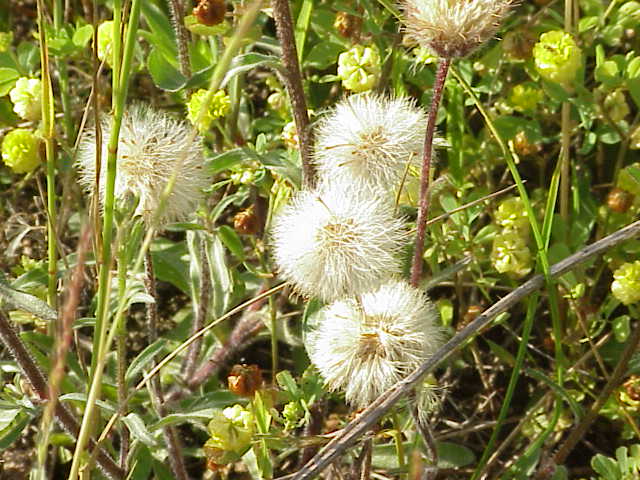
619, 200
246, 222
347, 25
245, 380
210, 12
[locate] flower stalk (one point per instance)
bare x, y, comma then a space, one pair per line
423, 212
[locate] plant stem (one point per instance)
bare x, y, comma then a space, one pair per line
616, 377
182, 36
121, 353
367, 418
48, 112
39, 383
515, 374
63, 78
423, 212
155, 390
100, 345
293, 84
63, 339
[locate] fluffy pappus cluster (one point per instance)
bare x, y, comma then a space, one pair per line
453, 28
151, 147
341, 243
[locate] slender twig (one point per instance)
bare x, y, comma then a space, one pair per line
64, 336
616, 378
174, 449
423, 212
182, 36
293, 84
350, 434
39, 383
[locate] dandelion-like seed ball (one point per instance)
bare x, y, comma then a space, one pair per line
453, 28
333, 242
151, 146
370, 138
365, 346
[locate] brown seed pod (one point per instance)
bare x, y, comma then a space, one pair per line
632, 387
246, 222
210, 12
472, 313
619, 200
245, 380
523, 146
347, 25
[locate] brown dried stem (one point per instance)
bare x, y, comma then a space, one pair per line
293, 84
39, 383
155, 390
372, 414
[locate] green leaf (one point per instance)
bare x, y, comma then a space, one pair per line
322, 55
142, 464
501, 353
606, 467
249, 61
8, 415
12, 433
8, 79
138, 429
164, 74
26, 302
452, 455
82, 36
232, 241
198, 417
194, 26
226, 160
621, 328
143, 359
169, 264
162, 36
302, 25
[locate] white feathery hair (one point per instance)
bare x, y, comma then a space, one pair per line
453, 28
151, 146
336, 241
370, 138
365, 345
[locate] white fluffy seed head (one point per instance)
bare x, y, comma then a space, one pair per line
335, 241
453, 28
365, 346
370, 139
151, 146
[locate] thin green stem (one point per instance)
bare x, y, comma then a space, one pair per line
540, 242
120, 87
397, 440
63, 73
48, 133
513, 381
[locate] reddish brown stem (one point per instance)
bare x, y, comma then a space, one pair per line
423, 212
39, 383
293, 84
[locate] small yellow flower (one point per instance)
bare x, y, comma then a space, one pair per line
25, 96
6, 38
359, 68
510, 254
218, 107
21, 150
557, 57
105, 40
626, 284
